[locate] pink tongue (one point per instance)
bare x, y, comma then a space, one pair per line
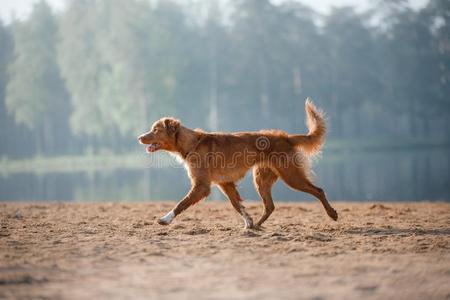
152, 148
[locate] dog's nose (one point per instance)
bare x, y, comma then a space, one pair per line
140, 139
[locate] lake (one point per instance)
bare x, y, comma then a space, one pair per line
352, 176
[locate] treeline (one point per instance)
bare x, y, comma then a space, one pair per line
94, 76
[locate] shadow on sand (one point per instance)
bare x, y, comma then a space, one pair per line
399, 231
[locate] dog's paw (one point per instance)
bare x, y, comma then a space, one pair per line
167, 219
333, 214
258, 227
248, 223
161, 221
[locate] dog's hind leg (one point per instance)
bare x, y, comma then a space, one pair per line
264, 178
229, 189
198, 192
297, 179
320, 194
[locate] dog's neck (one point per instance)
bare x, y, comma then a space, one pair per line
186, 140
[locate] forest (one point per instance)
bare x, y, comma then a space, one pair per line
91, 78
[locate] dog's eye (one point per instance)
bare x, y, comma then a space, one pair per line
155, 130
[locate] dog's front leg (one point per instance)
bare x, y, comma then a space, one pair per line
198, 192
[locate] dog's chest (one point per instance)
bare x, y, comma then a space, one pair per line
227, 175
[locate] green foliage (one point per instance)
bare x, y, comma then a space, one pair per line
101, 71
130, 65
35, 90
6, 49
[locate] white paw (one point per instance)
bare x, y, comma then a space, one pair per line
248, 222
167, 219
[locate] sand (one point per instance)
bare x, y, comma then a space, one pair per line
117, 251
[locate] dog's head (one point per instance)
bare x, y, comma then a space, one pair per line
162, 135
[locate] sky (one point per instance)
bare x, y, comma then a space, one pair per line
22, 8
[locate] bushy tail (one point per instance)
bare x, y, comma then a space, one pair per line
313, 141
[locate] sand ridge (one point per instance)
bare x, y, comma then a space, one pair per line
117, 250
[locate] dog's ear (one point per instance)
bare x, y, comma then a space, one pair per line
172, 126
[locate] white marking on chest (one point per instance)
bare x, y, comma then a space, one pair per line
177, 157
181, 161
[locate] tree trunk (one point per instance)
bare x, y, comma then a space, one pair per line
213, 85
263, 92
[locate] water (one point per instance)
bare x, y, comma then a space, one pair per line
378, 176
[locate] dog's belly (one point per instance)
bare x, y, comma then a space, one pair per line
228, 175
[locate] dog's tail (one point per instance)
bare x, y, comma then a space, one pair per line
315, 120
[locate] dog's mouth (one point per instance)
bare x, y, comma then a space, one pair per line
153, 147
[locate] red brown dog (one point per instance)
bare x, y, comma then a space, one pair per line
224, 158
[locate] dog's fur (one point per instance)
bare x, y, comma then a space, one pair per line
224, 158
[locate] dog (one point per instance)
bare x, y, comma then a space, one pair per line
224, 159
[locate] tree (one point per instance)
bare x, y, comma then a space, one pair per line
438, 12
81, 65
277, 54
35, 94
352, 67
6, 124
6, 49
132, 57
411, 73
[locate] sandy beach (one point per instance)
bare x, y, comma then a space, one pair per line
117, 251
